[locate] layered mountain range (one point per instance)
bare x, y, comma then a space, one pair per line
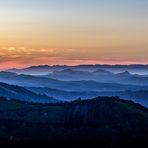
74, 106
65, 84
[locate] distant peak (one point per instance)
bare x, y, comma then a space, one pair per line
102, 71
66, 71
125, 73
39, 66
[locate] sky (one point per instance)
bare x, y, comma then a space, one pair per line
72, 32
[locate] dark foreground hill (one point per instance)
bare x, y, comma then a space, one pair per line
106, 122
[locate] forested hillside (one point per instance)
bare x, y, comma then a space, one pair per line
102, 121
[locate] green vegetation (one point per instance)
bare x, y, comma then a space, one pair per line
102, 121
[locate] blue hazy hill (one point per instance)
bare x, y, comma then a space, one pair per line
20, 93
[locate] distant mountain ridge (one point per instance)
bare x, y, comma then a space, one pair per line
80, 85
85, 81
45, 69
100, 75
136, 96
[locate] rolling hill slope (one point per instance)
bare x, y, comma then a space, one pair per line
99, 122
20, 93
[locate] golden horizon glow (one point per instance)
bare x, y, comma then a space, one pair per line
73, 32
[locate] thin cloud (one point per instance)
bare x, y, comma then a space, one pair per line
21, 57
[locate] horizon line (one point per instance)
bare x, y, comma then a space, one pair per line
43, 65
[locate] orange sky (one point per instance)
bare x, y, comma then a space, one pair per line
73, 32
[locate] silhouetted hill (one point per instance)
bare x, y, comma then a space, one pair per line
99, 122
20, 93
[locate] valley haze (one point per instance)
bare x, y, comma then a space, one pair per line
66, 83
